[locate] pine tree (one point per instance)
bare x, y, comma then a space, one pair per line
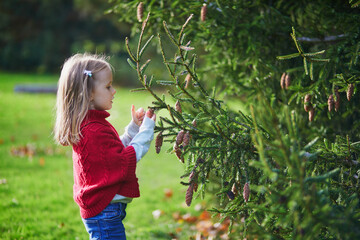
295, 166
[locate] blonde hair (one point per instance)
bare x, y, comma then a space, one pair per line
74, 95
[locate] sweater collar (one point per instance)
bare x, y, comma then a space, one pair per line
97, 115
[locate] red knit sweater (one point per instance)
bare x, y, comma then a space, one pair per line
103, 167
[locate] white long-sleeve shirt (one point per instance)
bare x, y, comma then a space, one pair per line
140, 138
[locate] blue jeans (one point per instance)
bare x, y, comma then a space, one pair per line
107, 224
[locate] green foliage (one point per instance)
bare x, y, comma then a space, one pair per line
242, 39
303, 174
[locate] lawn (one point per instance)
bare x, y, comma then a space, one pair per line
36, 174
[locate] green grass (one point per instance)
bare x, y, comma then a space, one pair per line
36, 200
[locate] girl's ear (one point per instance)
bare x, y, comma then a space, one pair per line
91, 98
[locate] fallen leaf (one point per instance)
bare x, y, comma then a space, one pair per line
42, 161
173, 236
176, 216
15, 201
157, 213
168, 193
204, 227
198, 207
49, 151
28, 150
189, 219
205, 215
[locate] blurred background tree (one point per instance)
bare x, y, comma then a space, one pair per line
37, 36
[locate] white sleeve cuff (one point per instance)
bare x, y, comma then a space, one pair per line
141, 142
130, 131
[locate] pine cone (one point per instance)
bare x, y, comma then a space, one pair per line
337, 102
189, 194
200, 160
151, 110
307, 103
246, 192
178, 153
191, 176
350, 91
158, 142
195, 186
311, 114
330, 103
193, 179
187, 80
282, 80
140, 11
203, 12
230, 195
186, 139
178, 106
234, 189
287, 81
194, 123
180, 137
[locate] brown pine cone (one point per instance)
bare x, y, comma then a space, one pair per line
189, 194
151, 110
200, 160
307, 103
178, 153
194, 123
234, 189
191, 176
246, 192
187, 80
159, 142
330, 103
203, 12
311, 114
337, 102
140, 11
193, 180
178, 106
186, 139
282, 80
350, 91
180, 137
287, 81
195, 186
230, 195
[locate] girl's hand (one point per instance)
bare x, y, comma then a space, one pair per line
137, 116
150, 114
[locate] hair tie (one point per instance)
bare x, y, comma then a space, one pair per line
88, 73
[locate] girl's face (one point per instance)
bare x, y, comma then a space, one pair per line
103, 91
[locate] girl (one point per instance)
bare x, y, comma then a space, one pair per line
103, 163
